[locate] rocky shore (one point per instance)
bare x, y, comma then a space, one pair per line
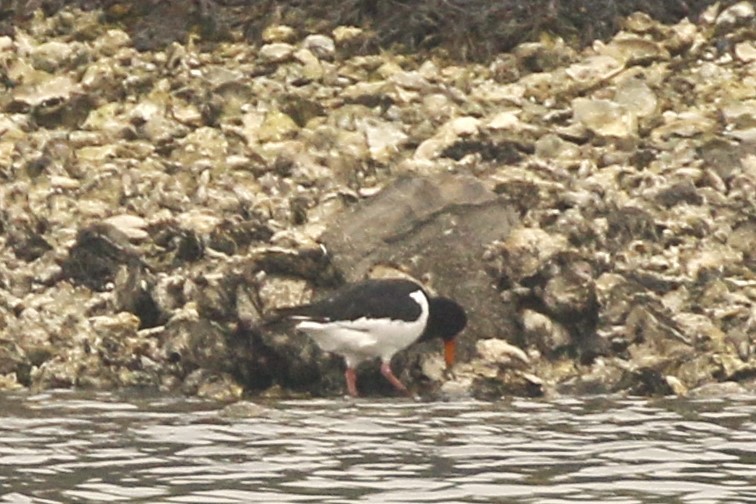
593, 208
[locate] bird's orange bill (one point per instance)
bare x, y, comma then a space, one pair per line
450, 351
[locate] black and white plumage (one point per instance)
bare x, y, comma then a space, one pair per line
378, 318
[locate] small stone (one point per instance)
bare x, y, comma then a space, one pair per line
639, 22
342, 34
465, 126
278, 33
276, 292
605, 118
119, 326
110, 42
132, 226
221, 388
550, 146
633, 49
526, 251
507, 120
276, 52
544, 333
684, 124
244, 409
51, 55
736, 14
384, 140
745, 51
276, 126
410, 80
320, 45
634, 94
677, 386
717, 390
709, 14
51, 92
684, 35
501, 352
311, 67
67, 183
592, 69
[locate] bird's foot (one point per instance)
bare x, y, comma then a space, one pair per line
386, 372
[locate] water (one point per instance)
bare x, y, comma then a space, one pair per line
68, 447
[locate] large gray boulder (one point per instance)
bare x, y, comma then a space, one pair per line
435, 229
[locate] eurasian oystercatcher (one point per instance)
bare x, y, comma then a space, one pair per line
377, 318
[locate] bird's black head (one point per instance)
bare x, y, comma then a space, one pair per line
446, 319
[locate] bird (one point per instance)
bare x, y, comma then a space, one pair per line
377, 318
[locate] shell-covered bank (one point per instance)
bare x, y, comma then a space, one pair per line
592, 206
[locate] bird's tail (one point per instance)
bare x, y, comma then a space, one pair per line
284, 316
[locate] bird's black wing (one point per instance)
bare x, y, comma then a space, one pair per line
376, 298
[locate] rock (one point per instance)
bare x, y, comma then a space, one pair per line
738, 13
14, 365
464, 126
280, 292
571, 290
284, 357
321, 46
10, 382
746, 51
189, 342
684, 35
342, 34
552, 146
601, 377
276, 126
632, 49
548, 336
639, 22
593, 69
51, 55
605, 118
244, 409
590, 203
278, 33
717, 390
437, 229
219, 387
506, 120
99, 251
686, 124
111, 41
132, 226
446, 136
45, 94
501, 352
133, 288
634, 94
312, 69
525, 252
384, 140
119, 327
276, 52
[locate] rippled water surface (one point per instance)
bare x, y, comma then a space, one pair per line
67, 447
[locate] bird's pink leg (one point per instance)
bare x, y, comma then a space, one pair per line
351, 380
386, 371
